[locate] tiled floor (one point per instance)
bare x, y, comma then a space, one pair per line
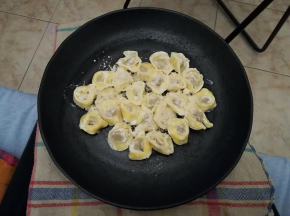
27, 38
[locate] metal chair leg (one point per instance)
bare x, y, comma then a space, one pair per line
241, 26
126, 4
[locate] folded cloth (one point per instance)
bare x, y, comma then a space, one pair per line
18, 116
279, 170
7, 168
246, 191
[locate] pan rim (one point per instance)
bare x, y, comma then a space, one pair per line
128, 206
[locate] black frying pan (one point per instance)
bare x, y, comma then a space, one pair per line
161, 181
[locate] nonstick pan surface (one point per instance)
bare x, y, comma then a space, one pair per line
161, 181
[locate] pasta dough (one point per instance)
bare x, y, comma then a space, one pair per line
176, 82
161, 142
161, 61
194, 80
140, 148
148, 104
163, 114
179, 62
84, 96
135, 92
177, 101
205, 100
111, 112
122, 79
120, 137
146, 72
160, 83
131, 61
103, 79
178, 130
92, 123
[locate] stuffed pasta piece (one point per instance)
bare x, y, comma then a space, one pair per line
161, 142
140, 148
131, 61
120, 137
92, 123
161, 61
194, 80
84, 96
205, 100
178, 130
179, 62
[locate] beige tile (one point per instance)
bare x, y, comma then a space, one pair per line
62, 35
203, 10
19, 38
270, 133
277, 57
40, 9
281, 5
43, 54
74, 10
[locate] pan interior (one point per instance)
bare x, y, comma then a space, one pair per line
161, 181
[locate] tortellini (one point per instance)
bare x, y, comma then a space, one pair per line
140, 148
129, 110
135, 92
196, 118
160, 83
92, 123
161, 142
131, 61
176, 82
146, 72
103, 79
177, 101
205, 100
122, 79
148, 104
151, 99
163, 114
194, 80
144, 121
161, 61
179, 62
107, 94
111, 112
84, 96
178, 130
93, 109
120, 137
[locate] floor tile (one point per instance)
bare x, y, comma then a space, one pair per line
276, 57
74, 10
43, 54
270, 132
66, 29
40, 9
281, 5
19, 38
202, 10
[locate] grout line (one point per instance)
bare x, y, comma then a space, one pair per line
23, 16
33, 56
38, 45
217, 8
267, 71
237, 1
54, 11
